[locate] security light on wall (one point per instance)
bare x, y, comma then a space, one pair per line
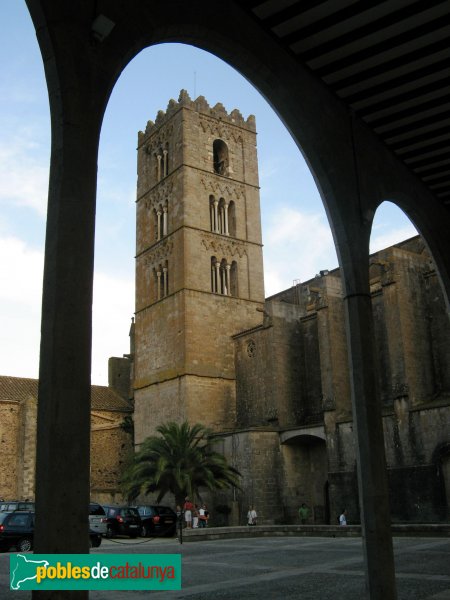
101, 28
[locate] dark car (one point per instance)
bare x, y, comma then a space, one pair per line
17, 531
122, 520
157, 520
16, 505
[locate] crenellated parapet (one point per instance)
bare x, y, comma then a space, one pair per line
201, 106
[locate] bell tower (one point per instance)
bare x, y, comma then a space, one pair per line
199, 266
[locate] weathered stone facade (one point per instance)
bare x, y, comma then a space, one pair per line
273, 379
111, 443
199, 270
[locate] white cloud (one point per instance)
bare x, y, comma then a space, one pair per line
24, 172
112, 311
20, 313
379, 241
297, 246
20, 307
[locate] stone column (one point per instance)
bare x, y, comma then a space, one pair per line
63, 421
158, 215
216, 217
165, 221
213, 279
159, 157
218, 282
226, 218
165, 166
367, 420
227, 279
158, 280
165, 281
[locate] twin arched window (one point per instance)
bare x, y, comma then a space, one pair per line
162, 162
222, 215
160, 216
161, 280
223, 277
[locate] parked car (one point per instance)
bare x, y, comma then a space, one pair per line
16, 505
157, 520
122, 520
97, 518
17, 531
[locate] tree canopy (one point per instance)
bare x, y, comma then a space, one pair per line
181, 461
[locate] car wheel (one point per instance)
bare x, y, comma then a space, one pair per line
95, 542
133, 535
24, 545
109, 532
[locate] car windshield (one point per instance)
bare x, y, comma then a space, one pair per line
130, 512
96, 509
146, 511
165, 510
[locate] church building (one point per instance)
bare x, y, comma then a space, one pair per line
271, 376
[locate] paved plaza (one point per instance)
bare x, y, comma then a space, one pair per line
280, 568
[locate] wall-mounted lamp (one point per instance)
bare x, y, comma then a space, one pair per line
101, 28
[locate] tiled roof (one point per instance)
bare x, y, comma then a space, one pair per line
15, 389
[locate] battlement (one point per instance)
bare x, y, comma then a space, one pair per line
200, 105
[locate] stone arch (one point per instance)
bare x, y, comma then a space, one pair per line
305, 470
220, 157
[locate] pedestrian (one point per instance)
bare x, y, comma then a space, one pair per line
251, 516
343, 518
203, 516
195, 516
303, 513
188, 508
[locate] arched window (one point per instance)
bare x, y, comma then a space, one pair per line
160, 220
232, 219
161, 279
162, 162
222, 279
234, 279
219, 215
220, 157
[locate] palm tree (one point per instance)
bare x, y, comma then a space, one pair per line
179, 461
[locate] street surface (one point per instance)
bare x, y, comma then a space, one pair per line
278, 568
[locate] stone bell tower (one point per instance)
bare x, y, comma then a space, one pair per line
199, 266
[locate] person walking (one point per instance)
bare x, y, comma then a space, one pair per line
188, 507
303, 513
343, 518
203, 516
252, 517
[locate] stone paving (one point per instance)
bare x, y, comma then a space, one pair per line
276, 568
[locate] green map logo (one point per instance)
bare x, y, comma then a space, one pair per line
95, 572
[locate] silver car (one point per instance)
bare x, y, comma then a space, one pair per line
97, 518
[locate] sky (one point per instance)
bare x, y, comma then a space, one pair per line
294, 223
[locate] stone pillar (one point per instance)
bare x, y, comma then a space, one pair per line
159, 157
158, 285
216, 217
227, 279
165, 221
226, 218
213, 279
165, 165
63, 423
158, 215
367, 423
165, 281
218, 282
